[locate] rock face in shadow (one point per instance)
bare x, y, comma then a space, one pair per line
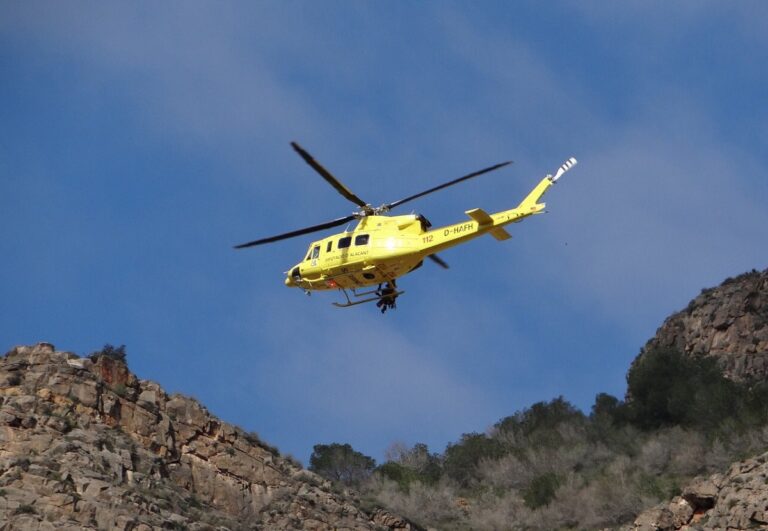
84, 444
729, 322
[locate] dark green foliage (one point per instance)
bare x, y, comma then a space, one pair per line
668, 388
414, 464
541, 490
24, 509
115, 353
462, 458
605, 407
538, 424
400, 474
340, 463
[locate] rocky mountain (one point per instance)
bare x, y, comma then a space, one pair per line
85, 444
729, 322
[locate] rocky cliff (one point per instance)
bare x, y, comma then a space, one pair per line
85, 444
729, 322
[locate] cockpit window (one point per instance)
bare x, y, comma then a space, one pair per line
329, 247
345, 242
315, 252
362, 239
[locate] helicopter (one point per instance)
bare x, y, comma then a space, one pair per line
368, 260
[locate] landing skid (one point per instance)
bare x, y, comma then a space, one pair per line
384, 297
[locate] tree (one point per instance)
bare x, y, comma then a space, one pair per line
112, 352
341, 463
540, 423
461, 459
668, 388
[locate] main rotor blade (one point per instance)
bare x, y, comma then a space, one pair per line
314, 228
333, 181
439, 261
445, 185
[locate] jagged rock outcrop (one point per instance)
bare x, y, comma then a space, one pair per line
737, 499
84, 444
729, 322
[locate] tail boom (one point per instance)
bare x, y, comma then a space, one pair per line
481, 222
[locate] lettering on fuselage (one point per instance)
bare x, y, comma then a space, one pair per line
458, 229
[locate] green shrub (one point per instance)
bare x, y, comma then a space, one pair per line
24, 509
112, 352
539, 424
461, 459
541, 490
668, 388
400, 474
340, 463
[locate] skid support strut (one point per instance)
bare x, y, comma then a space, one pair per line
384, 296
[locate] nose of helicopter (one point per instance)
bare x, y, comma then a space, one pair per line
292, 277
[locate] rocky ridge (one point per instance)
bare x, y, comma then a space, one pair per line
85, 444
729, 322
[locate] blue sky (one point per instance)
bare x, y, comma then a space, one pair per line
140, 141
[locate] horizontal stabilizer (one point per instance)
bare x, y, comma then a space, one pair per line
480, 215
500, 234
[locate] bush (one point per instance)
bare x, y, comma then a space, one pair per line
540, 423
668, 388
541, 490
340, 463
24, 509
406, 465
115, 353
461, 459
400, 474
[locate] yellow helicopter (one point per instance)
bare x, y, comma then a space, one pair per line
383, 248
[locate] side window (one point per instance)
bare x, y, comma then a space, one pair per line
362, 239
329, 247
345, 242
315, 252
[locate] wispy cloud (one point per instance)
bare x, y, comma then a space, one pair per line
667, 198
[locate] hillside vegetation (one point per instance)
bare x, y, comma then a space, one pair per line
551, 466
